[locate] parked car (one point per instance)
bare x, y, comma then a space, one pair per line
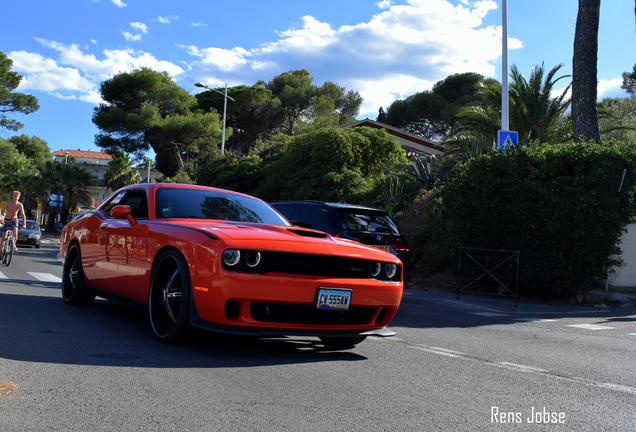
31, 235
227, 262
366, 225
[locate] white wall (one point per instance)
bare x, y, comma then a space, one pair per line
625, 276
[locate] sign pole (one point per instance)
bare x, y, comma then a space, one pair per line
504, 65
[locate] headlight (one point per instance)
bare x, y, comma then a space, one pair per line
231, 257
374, 269
34, 236
390, 270
252, 258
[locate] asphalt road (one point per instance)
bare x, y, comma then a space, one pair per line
99, 369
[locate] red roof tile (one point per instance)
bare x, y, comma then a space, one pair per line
83, 154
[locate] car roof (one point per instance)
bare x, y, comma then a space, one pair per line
345, 206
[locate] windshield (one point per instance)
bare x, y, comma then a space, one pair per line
205, 204
368, 222
32, 225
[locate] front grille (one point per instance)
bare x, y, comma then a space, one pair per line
314, 265
308, 314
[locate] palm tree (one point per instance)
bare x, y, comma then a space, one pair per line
74, 187
121, 172
534, 112
584, 72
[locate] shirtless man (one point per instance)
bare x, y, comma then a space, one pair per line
11, 210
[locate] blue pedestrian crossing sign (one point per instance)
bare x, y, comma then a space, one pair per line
507, 139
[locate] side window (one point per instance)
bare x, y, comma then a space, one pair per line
113, 202
138, 203
318, 217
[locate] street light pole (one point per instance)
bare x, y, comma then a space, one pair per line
224, 112
148, 177
225, 98
504, 65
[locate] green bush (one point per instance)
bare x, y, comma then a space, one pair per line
558, 205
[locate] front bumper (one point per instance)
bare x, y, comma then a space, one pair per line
290, 299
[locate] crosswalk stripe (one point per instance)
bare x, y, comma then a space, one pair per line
590, 326
2, 276
45, 277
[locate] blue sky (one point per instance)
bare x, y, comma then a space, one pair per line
382, 48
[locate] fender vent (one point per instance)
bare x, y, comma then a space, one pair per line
308, 233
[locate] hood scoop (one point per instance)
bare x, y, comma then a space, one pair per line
307, 233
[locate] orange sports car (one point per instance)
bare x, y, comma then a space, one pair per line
195, 256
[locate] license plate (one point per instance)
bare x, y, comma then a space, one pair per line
333, 299
383, 247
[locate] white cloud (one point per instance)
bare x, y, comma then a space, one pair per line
41, 73
139, 26
94, 41
77, 74
196, 24
163, 20
119, 3
405, 47
610, 88
222, 59
131, 37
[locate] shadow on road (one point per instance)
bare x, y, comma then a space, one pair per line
44, 329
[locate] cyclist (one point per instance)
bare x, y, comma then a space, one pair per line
12, 208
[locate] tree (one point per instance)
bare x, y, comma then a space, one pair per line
121, 172
146, 109
584, 72
333, 106
629, 81
337, 164
34, 148
534, 112
10, 100
295, 91
433, 114
617, 119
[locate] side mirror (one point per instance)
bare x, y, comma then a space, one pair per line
123, 212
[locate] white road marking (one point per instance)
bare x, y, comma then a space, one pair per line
446, 350
45, 277
2, 276
434, 351
631, 334
489, 314
534, 319
590, 326
522, 368
44, 241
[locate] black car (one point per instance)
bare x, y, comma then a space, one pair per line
366, 225
30, 235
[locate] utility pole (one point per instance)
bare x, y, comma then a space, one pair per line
504, 66
148, 176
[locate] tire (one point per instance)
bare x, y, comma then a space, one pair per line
75, 290
169, 298
8, 256
37, 245
341, 343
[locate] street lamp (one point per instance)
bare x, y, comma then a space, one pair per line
225, 98
504, 65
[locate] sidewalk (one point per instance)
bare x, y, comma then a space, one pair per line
51, 238
506, 305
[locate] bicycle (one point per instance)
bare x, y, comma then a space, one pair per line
9, 249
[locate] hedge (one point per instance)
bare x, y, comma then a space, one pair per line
558, 205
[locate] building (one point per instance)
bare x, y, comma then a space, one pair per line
96, 164
411, 143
